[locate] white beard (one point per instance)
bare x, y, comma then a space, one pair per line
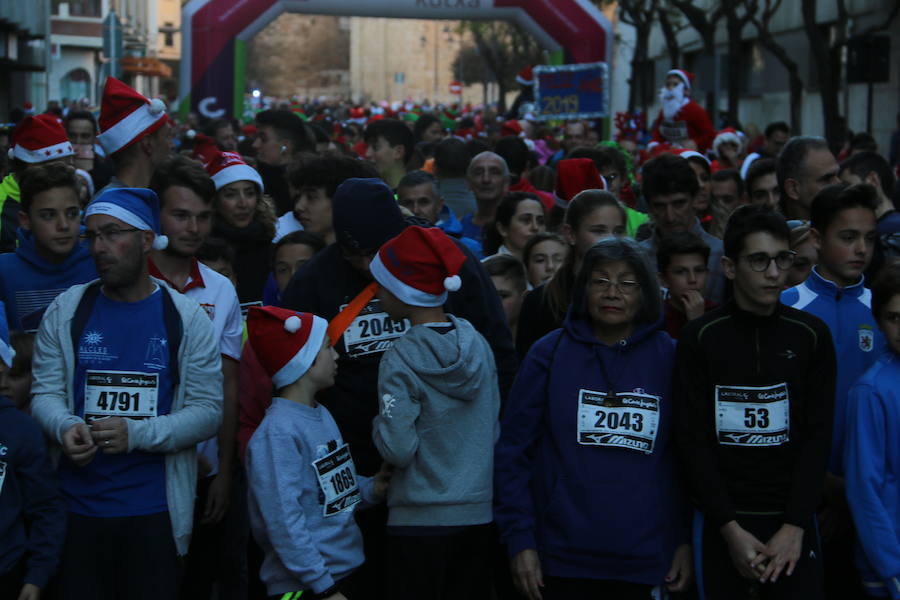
672, 101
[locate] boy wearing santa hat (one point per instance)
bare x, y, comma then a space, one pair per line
303, 484
437, 424
681, 121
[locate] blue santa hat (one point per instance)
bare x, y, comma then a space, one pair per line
139, 207
6, 352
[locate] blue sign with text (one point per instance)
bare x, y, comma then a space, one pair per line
579, 91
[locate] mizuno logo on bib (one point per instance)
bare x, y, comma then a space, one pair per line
624, 420
752, 416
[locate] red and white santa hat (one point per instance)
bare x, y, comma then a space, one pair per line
729, 134
40, 139
223, 167
526, 76
419, 266
574, 175
285, 342
685, 76
126, 116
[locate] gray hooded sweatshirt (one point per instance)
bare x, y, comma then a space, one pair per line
437, 424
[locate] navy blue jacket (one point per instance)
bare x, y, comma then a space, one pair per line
28, 493
593, 504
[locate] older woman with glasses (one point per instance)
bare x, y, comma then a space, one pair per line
586, 494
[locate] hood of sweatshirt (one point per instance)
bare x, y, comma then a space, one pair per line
582, 331
27, 251
449, 362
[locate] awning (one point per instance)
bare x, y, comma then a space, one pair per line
146, 65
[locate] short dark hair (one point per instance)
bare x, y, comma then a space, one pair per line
668, 174
299, 237
749, 219
777, 126
863, 141
218, 124
885, 287
451, 158
328, 171
395, 132
603, 156
758, 168
729, 175
515, 152
863, 163
422, 123
538, 238
507, 265
833, 199
681, 242
179, 170
288, 126
216, 248
39, 178
414, 178
320, 134
793, 155
75, 115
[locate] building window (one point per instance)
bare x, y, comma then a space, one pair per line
75, 85
79, 8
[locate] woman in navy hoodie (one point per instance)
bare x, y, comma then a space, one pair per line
587, 497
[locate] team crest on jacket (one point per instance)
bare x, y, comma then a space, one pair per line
866, 338
210, 309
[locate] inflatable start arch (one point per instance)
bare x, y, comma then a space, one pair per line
215, 33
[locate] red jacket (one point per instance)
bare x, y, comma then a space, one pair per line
691, 118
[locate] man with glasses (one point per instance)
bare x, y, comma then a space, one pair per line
845, 228
127, 381
754, 382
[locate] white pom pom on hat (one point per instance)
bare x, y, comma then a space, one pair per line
160, 242
157, 107
452, 283
292, 324
191, 134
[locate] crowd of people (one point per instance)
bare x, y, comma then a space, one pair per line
399, 352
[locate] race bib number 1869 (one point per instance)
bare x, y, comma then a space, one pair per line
624, 420
337, 478
752, 416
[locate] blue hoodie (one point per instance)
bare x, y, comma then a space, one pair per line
28, 283
594, 504
449, 224
872, 462
857, 340
29, 494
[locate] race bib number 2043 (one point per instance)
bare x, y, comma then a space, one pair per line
752, 416
625, 420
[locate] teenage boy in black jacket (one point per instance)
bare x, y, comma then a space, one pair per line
754, 389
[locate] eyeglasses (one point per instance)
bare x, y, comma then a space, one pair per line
107, 235
760, 261
625, 287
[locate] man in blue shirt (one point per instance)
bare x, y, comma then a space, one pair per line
127, 381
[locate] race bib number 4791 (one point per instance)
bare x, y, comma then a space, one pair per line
624, 420
120, 394
752, 416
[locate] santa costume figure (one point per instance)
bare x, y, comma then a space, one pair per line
681, 121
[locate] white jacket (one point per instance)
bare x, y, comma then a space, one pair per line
196, 407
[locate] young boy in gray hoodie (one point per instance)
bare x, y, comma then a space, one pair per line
437, 425
303, 485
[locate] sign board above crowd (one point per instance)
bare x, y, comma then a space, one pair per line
216, 32
572, 91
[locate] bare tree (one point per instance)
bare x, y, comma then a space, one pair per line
671, 25
704, 21
639, 14
738, 13
763, 22
826, 56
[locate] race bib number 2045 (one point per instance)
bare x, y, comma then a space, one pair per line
752, 416
625, 420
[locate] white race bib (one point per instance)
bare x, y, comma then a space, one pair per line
120, 394
753, 416
372, 331
337, 479
624, 420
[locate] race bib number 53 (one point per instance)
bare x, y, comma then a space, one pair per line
752, 416
120, 394
624, 420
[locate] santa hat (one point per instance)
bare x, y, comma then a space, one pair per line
526, 76
6, 352
126, 116
39, 139
729, 134
685, 76
511, 127
574, 175
688, 154
138, 207
223, 167
419, 266
285, 342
